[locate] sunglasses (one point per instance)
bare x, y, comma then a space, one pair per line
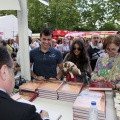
79, 49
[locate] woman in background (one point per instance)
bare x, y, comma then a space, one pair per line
108, 65
78, 55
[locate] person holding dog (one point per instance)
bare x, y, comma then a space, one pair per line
78, 56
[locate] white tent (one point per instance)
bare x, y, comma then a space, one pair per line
9, 27
9, 5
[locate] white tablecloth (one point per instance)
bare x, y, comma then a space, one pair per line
65, 108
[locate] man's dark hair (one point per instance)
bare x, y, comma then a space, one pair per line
3, 42
5, 58
46, 31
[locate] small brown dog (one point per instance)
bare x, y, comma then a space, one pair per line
68, 66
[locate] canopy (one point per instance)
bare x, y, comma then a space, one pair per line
60, 32
9, 5
75, 34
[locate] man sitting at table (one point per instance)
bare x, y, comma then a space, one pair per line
10, 109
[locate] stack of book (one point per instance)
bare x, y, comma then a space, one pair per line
30, 96
83, 102
30, 86
101, 86
69, 91
48, 89
117, 103
28, 90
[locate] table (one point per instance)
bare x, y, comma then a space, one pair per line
110, 111
65, 108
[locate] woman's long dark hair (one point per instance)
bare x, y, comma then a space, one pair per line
82, 59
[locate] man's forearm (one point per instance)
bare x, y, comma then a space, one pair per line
59, 75
33, 75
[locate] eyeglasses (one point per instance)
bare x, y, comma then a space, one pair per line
95, 37
12, 68
112, 49
79, 49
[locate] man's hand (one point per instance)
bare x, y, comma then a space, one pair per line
44, 114
54, 79
40, 78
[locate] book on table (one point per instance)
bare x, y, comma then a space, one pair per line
100, 86
30, 86
83, 101
68, 91
27, 95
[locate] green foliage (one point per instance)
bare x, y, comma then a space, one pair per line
108, 27
86, 15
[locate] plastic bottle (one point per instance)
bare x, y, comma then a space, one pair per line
93, 111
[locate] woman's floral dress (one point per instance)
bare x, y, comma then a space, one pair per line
103, 67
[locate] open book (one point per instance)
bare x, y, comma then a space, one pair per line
52, 114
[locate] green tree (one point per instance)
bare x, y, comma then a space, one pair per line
67, 14
108, 27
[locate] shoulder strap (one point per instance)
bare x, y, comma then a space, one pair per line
109, 76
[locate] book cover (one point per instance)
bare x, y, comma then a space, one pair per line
71, 88
30, 86
100, 86
27, 95
50, 85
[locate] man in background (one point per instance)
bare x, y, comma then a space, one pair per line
118, 32
94, 50
10, 109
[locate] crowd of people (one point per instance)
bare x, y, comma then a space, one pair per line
97, 60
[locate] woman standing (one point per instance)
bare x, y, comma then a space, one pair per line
78, 56
108, 65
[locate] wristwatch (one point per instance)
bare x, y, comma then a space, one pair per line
57, 78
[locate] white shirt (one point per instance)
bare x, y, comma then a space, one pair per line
2, 90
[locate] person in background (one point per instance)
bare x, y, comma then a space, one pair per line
64, 48
35, 43
54, 43
94, 50
0, 37
118, 32
17, 63
3, 43
15, 110
15, 45
45, 58
108, 65
10, 46
78, 55
59, 41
